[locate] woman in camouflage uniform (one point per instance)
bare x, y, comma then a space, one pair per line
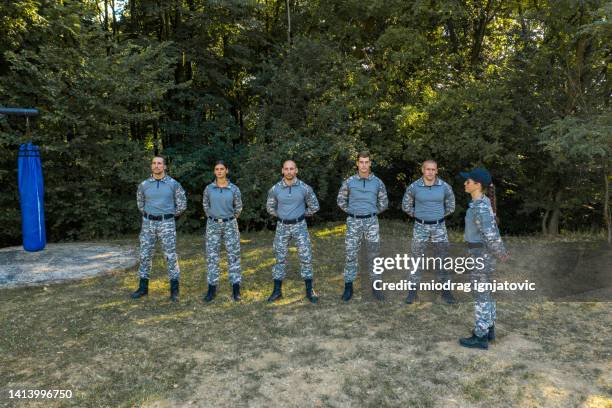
222, 204
484, 241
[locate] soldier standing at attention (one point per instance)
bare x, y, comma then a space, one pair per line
429, 200
222, 204
362, 196
160, 199
291, 201
483, 240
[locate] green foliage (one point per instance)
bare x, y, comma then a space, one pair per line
89, 101
519, 87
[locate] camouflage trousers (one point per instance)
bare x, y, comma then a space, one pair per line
356, 230
230, 235
284, 233
435, 236
484, 306
151, 230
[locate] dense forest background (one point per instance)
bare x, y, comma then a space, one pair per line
520, 87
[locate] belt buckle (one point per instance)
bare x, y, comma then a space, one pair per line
219, 220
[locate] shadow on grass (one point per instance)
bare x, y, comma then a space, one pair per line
89, 337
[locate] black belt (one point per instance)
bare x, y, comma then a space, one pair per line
476, 245
294, 221
362, 216
420, 221
158, 217
221, 219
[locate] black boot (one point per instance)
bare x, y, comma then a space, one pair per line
143, 289
236, 292
310, 293
174, 290
475, 342
448, 297
210, 295
412, 294
490, 333
348, 291
277, 293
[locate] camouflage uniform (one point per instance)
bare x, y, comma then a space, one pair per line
358, 228
165, 230
298, 230
435, 234
481, 227
218, 230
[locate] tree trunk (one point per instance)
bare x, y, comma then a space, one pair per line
133, 21
479, 34
553, 225
178, 11
105, 15
450, 26
606, 206
114, 27
545, 222
524, 33
288, 23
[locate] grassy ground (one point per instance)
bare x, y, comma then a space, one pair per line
89, 337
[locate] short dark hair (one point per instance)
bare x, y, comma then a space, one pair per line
221, 162
363, 154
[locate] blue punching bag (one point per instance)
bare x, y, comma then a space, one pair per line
31, 195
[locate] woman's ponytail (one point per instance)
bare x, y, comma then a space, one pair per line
490, 193
492, 198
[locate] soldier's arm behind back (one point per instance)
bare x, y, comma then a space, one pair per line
237, 202
343, 196
408, 201
271, 203
312, 204
180, 199
140, 198
382, 199
449, 200
205, 201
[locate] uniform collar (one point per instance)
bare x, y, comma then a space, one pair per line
484, 198
164, 179
283, 184
214, 184
437, 182
370, 176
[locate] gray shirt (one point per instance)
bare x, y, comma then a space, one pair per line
429, 203
289, 202
363, 196
222, 202
158, 197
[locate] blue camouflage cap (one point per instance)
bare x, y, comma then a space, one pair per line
479, 175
